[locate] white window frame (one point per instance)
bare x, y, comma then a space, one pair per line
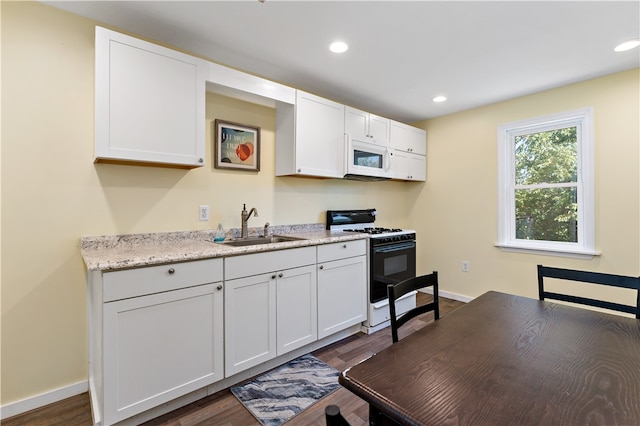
582, 119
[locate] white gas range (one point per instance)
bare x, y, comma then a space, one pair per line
391, 257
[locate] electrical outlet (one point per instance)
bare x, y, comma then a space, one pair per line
204, 213
465, 266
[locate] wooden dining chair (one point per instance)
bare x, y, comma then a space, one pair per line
593, 278
396, 291
333, 417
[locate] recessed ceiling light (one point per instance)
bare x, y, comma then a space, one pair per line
338, 47
439, 98
627, 45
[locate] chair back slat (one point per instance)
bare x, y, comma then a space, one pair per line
396, 291
590, 278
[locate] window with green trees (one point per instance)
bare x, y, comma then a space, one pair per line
546, 183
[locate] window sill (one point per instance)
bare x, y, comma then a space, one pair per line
573, 253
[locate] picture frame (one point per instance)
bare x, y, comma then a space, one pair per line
236, 146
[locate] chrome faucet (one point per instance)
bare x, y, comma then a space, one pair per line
244, 230
266, 229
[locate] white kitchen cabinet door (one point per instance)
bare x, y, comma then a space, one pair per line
409, 166
297, 317
310, 137
408, 138
160, 347
150, 103
366, 125
250, 322
342, 294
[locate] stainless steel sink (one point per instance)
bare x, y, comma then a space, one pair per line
252, 241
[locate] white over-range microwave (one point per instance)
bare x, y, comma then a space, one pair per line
366, 160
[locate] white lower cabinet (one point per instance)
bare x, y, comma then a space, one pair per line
342, 286
158, 333
296, 308
160, 347
269, 313
250, 322
148, 349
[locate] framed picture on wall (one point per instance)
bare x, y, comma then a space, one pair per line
236, 146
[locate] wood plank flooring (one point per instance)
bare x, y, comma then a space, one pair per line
223, 409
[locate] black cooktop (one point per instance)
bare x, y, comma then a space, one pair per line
374, 230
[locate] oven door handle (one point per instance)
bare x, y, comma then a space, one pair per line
394, 247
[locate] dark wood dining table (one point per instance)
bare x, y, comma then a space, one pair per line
508, 360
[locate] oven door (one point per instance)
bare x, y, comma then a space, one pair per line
390, 264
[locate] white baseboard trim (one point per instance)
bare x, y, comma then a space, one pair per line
449, 295
38, 401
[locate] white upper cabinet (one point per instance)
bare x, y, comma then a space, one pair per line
408, 166
310, 137
410, 149
150, 103
408, 138
370, 126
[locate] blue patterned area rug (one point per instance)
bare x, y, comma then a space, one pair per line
278, 395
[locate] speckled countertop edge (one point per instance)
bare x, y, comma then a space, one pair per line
113, 252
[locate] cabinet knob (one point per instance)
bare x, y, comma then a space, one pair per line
344, 246
273, 277
280, 275
321, 266
219, 287
172, 271
200, 160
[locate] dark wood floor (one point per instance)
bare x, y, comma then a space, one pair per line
223, 409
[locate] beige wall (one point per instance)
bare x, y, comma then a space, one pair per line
52, 192
455, 214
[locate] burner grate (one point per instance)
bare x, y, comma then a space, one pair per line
374, 230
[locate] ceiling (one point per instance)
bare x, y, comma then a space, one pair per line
402, 53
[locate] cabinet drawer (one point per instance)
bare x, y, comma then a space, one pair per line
260, 263
155, 279
329, 252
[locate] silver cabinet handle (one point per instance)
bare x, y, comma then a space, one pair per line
171, 271
200, 160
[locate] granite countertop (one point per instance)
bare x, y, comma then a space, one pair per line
113, 252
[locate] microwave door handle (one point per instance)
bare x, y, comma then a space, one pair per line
347, 151
388, 154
